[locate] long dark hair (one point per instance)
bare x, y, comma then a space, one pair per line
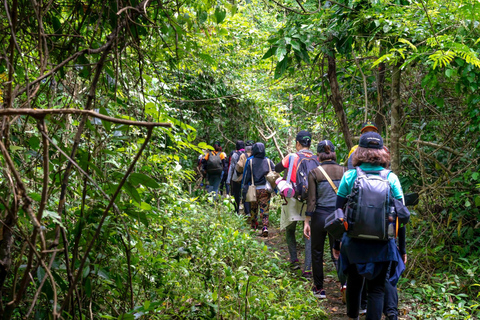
217, 147
327, 155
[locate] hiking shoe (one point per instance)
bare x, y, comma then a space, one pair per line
320, 294
295, 265
343, 292
362, 311
307, 275
265, 232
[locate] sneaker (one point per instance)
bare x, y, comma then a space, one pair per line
307, 275
343, 292
320, 294
362, 311
295, 265
265, 232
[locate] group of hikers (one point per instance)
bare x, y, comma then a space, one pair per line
356, 207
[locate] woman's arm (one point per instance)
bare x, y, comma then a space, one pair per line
312, 194
279, 167
341, 202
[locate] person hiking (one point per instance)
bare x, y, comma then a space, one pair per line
391, 294
233, 178
362, 258
240, 168
213, 164
292, 212
223, 182
323, 183
366, 127
255, 171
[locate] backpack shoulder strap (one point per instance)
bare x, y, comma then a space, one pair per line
290, 167
384, 174
251, 172
360, 172
334, 187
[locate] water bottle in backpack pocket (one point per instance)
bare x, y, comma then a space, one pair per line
369, 204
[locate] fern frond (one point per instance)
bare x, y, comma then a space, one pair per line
407, 42
442, 58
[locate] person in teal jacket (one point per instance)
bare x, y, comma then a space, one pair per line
362, 260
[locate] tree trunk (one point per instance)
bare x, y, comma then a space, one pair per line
395, 118
337, 100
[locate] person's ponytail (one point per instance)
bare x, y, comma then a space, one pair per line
327, 149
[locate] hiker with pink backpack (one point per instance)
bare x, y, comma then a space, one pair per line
293, 189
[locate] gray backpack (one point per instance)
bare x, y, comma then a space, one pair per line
214, 163
369, 205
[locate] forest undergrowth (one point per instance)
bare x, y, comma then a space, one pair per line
210, 265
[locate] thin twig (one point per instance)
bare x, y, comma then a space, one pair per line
364, 84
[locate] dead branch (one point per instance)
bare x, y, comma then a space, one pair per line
221, 132
271, 136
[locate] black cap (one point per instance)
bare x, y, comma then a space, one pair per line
321, 146
305, 138
240, 145
371, 140
249, 143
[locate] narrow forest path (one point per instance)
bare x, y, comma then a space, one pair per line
333, 304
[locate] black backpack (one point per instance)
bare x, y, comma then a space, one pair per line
304, 166
214, 163
369, 205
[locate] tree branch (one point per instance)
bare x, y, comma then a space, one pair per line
443, 147
40, 113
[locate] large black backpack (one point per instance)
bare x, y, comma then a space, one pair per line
304, 166
369, 205
214, 163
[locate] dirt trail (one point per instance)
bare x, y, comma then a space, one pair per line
333, 304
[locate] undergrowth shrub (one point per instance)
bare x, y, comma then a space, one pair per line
203, 262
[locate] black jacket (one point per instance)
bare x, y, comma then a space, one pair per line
259, 163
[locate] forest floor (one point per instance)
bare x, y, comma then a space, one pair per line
333, 304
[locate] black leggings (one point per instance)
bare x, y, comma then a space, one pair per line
236, 192
375, 290
319, 235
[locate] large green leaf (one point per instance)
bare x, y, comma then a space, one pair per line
140, 178
281, 67
270, 52
132, 192
220, 15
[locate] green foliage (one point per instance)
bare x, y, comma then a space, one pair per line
443, 298
207, 264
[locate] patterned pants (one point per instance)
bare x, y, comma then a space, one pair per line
263, 203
